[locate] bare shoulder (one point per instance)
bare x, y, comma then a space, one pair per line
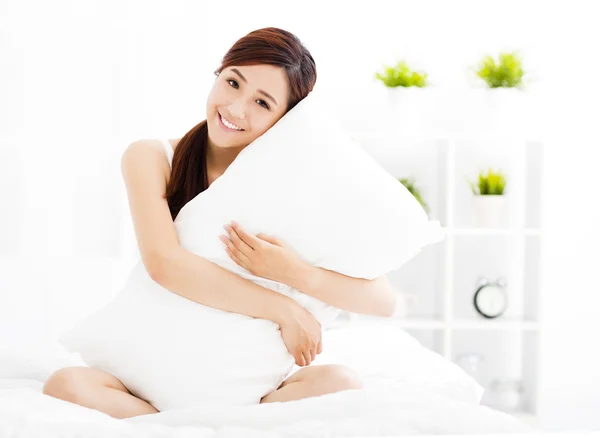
153, 143
146, 172
149, 145
146, 154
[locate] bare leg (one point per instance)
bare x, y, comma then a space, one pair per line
312, 381
96, 389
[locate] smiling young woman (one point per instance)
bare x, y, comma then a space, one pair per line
264, 75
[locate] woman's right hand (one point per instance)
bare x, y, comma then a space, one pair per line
301, 333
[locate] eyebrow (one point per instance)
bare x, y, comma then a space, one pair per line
235, 70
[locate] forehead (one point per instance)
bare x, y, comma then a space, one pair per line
269, 78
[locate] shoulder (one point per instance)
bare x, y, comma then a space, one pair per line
148, 145
145, 144
145, 153
152, 143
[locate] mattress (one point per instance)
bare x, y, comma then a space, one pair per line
372, 411
408, 390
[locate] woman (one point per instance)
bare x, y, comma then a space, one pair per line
263, 75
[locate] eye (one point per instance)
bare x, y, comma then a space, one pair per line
266, 105
234, 85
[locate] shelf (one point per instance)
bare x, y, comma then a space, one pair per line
405, 322
457, 324
493, 231
443, 139
444, 277
425, 324
467, 324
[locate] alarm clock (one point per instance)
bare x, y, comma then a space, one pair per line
490, 298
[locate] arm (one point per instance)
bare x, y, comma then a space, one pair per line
197, 279
269, 257
145, 170
374, 297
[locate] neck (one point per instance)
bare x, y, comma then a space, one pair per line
219, 158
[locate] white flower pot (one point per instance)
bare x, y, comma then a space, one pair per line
503, 111
409, 109
489, 211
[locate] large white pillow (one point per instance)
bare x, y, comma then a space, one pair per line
304, 181
308, 182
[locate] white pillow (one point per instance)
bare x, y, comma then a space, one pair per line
304, 181
383, 353
309, 183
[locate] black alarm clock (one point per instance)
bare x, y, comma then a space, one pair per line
491, 299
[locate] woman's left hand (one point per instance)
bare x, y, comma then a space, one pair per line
262, 255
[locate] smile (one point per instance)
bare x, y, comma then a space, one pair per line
227, 124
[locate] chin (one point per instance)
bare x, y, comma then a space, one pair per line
220, 142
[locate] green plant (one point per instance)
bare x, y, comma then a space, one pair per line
507, 73
402, 76
409, 183
491, 184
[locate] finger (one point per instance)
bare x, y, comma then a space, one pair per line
239, 243
235, 249
300, 360
234, 258
313, 353
270, 239
307, 358
320, 346
248, 238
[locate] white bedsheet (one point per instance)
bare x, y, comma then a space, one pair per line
409, 391
377, 410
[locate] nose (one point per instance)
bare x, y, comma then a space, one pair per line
237, 110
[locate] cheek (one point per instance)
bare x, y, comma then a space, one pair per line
264, 123
210, 105
214, 97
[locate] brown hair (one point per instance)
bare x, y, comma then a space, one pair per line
270, 45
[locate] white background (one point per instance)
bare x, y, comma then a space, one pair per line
80, 80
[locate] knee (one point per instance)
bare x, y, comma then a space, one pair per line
65, 384
340, 377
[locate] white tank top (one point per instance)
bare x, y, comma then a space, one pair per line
168, 150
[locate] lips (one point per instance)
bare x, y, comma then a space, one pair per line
225, 126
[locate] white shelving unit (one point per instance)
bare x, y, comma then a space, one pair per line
444, 276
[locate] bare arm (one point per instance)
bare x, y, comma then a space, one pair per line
373, 297
270, 257
200, 280
145, 170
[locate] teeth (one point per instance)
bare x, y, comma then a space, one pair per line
229, 124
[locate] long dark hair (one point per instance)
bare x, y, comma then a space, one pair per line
273, 46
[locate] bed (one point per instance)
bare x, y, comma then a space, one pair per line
409, 390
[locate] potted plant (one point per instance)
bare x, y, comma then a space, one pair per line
507, 73
402, 76
501, 106
409, 183
406, 98
489, 200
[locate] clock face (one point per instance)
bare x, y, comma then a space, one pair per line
490, 300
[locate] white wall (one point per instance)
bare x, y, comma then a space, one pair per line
79, 80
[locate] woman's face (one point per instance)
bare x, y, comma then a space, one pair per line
244, 103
